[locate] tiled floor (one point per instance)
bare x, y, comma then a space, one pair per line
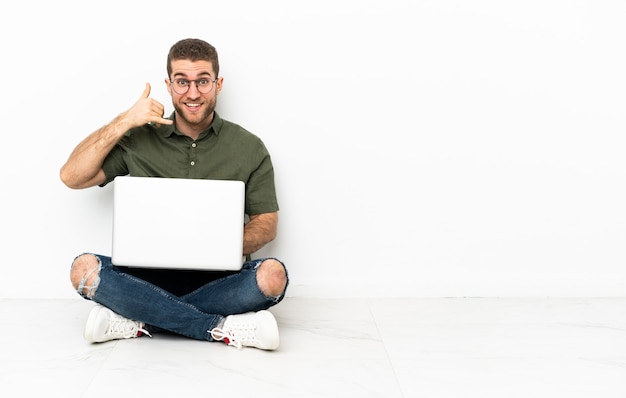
334, 348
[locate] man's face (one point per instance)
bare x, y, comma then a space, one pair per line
194, 107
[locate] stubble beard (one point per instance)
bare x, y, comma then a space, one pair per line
180, 112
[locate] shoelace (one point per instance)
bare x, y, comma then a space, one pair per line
126, 328
245, 334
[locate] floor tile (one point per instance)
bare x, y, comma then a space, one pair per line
400, 347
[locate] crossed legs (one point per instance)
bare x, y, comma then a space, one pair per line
260, 284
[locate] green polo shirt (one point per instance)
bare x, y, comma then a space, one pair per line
225, 151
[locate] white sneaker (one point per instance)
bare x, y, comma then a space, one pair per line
104, 325
252, 329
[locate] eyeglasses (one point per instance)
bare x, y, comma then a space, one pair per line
181, 86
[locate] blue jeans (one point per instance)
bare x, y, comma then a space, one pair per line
194, 314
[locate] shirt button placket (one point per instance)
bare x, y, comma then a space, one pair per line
192, 154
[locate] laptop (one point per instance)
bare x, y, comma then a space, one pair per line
178, 223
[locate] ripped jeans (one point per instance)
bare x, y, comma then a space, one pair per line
193, 315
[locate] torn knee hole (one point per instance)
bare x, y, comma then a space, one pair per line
85, 274
272, 278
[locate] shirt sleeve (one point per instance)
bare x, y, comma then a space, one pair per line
114, 165
260, 187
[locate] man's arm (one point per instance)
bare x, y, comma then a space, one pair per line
83, 168
260, 230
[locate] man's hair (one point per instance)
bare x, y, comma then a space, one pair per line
194, 50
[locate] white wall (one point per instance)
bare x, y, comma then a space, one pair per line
422, 148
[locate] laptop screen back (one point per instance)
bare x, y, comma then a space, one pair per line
178, 223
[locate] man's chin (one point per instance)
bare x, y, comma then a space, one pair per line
196, 119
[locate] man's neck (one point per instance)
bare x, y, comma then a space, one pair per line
193, 130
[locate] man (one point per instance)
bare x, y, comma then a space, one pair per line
194, 142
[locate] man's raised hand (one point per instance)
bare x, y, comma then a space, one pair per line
147, 110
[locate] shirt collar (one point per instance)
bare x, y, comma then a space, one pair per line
215, 127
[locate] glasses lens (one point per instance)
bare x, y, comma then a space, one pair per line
204, 85
180, 86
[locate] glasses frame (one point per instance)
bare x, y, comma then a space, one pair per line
213, 83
